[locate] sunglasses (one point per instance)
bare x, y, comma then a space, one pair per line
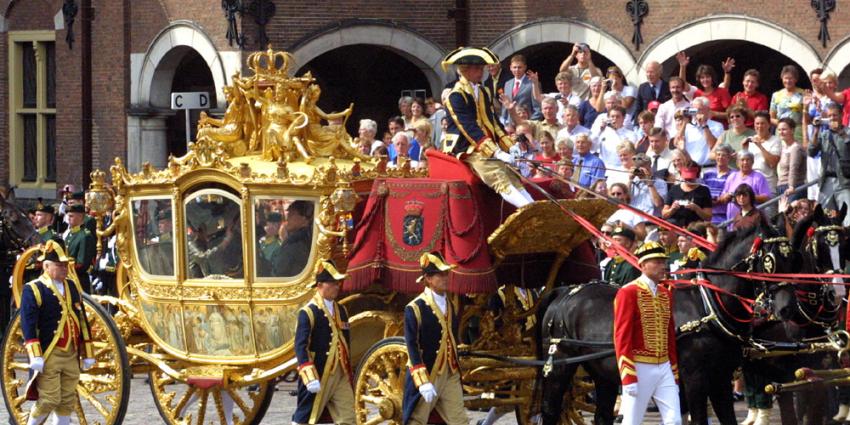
735, 116
616, 193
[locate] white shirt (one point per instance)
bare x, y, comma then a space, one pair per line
565, 132
642, 197
330, 306
60, 287
572, 99
772, 145
665, 159
695, 142
664, 116
626, 217
440, 300
607, 142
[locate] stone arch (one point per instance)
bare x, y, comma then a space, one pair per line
567, 31
731, 27
151, 87
425, 54
838, 59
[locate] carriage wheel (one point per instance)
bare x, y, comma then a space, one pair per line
104, 390
182, 404
379, 385
576, 401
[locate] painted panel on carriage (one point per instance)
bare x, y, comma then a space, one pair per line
153, 224
217, 330
275, 326
165, 321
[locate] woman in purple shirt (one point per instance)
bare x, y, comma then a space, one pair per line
745, 174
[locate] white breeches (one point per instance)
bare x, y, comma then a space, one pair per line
655, 381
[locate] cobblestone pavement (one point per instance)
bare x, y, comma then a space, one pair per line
142, 410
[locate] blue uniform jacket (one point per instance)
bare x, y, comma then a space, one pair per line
423, 335
44, 310
472, 122
316, 337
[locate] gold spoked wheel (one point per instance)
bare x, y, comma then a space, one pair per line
104, 390
576, 402
182, 404
379, 387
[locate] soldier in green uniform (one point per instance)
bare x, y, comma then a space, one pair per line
269, 250
81, 244
159, 252
44, 221
618, 270
79, 198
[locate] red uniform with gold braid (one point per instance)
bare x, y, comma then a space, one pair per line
645, 342
643, 328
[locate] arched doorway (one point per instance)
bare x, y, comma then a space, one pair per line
548, 42
191, 75
696, 38
546, 58
748, 55
370, 76
838, 61
175, 58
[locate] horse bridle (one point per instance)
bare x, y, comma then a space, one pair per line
824, 315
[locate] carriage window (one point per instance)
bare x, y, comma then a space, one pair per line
213, 235
152, 223
284, 235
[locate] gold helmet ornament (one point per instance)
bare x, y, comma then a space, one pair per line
650, 250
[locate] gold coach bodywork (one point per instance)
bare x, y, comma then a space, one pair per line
196, 308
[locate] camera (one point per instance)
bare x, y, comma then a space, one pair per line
690, 112
683, 202
638, 172
609, 83
819, 121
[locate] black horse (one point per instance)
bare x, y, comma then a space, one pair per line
713, 326
813, 312
16, 234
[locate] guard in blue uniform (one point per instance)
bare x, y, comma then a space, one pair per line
56, 335
322, 343
430, 326
474, 134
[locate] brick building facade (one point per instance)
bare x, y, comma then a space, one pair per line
108, 95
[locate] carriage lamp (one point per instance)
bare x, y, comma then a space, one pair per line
99, 201
344, 199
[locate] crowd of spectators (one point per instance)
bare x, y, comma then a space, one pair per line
684, 148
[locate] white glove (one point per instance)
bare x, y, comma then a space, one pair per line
37, 364
504, 157
630, 389
88, 363
429, 393
314, 386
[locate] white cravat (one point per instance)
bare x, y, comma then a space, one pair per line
650, 283
475, 91
59, 287
330, 306
440, 300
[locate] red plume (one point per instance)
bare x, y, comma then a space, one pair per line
810, 232
756, 245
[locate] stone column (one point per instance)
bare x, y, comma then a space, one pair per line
146, 141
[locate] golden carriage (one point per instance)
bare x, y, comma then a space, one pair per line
212, 324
